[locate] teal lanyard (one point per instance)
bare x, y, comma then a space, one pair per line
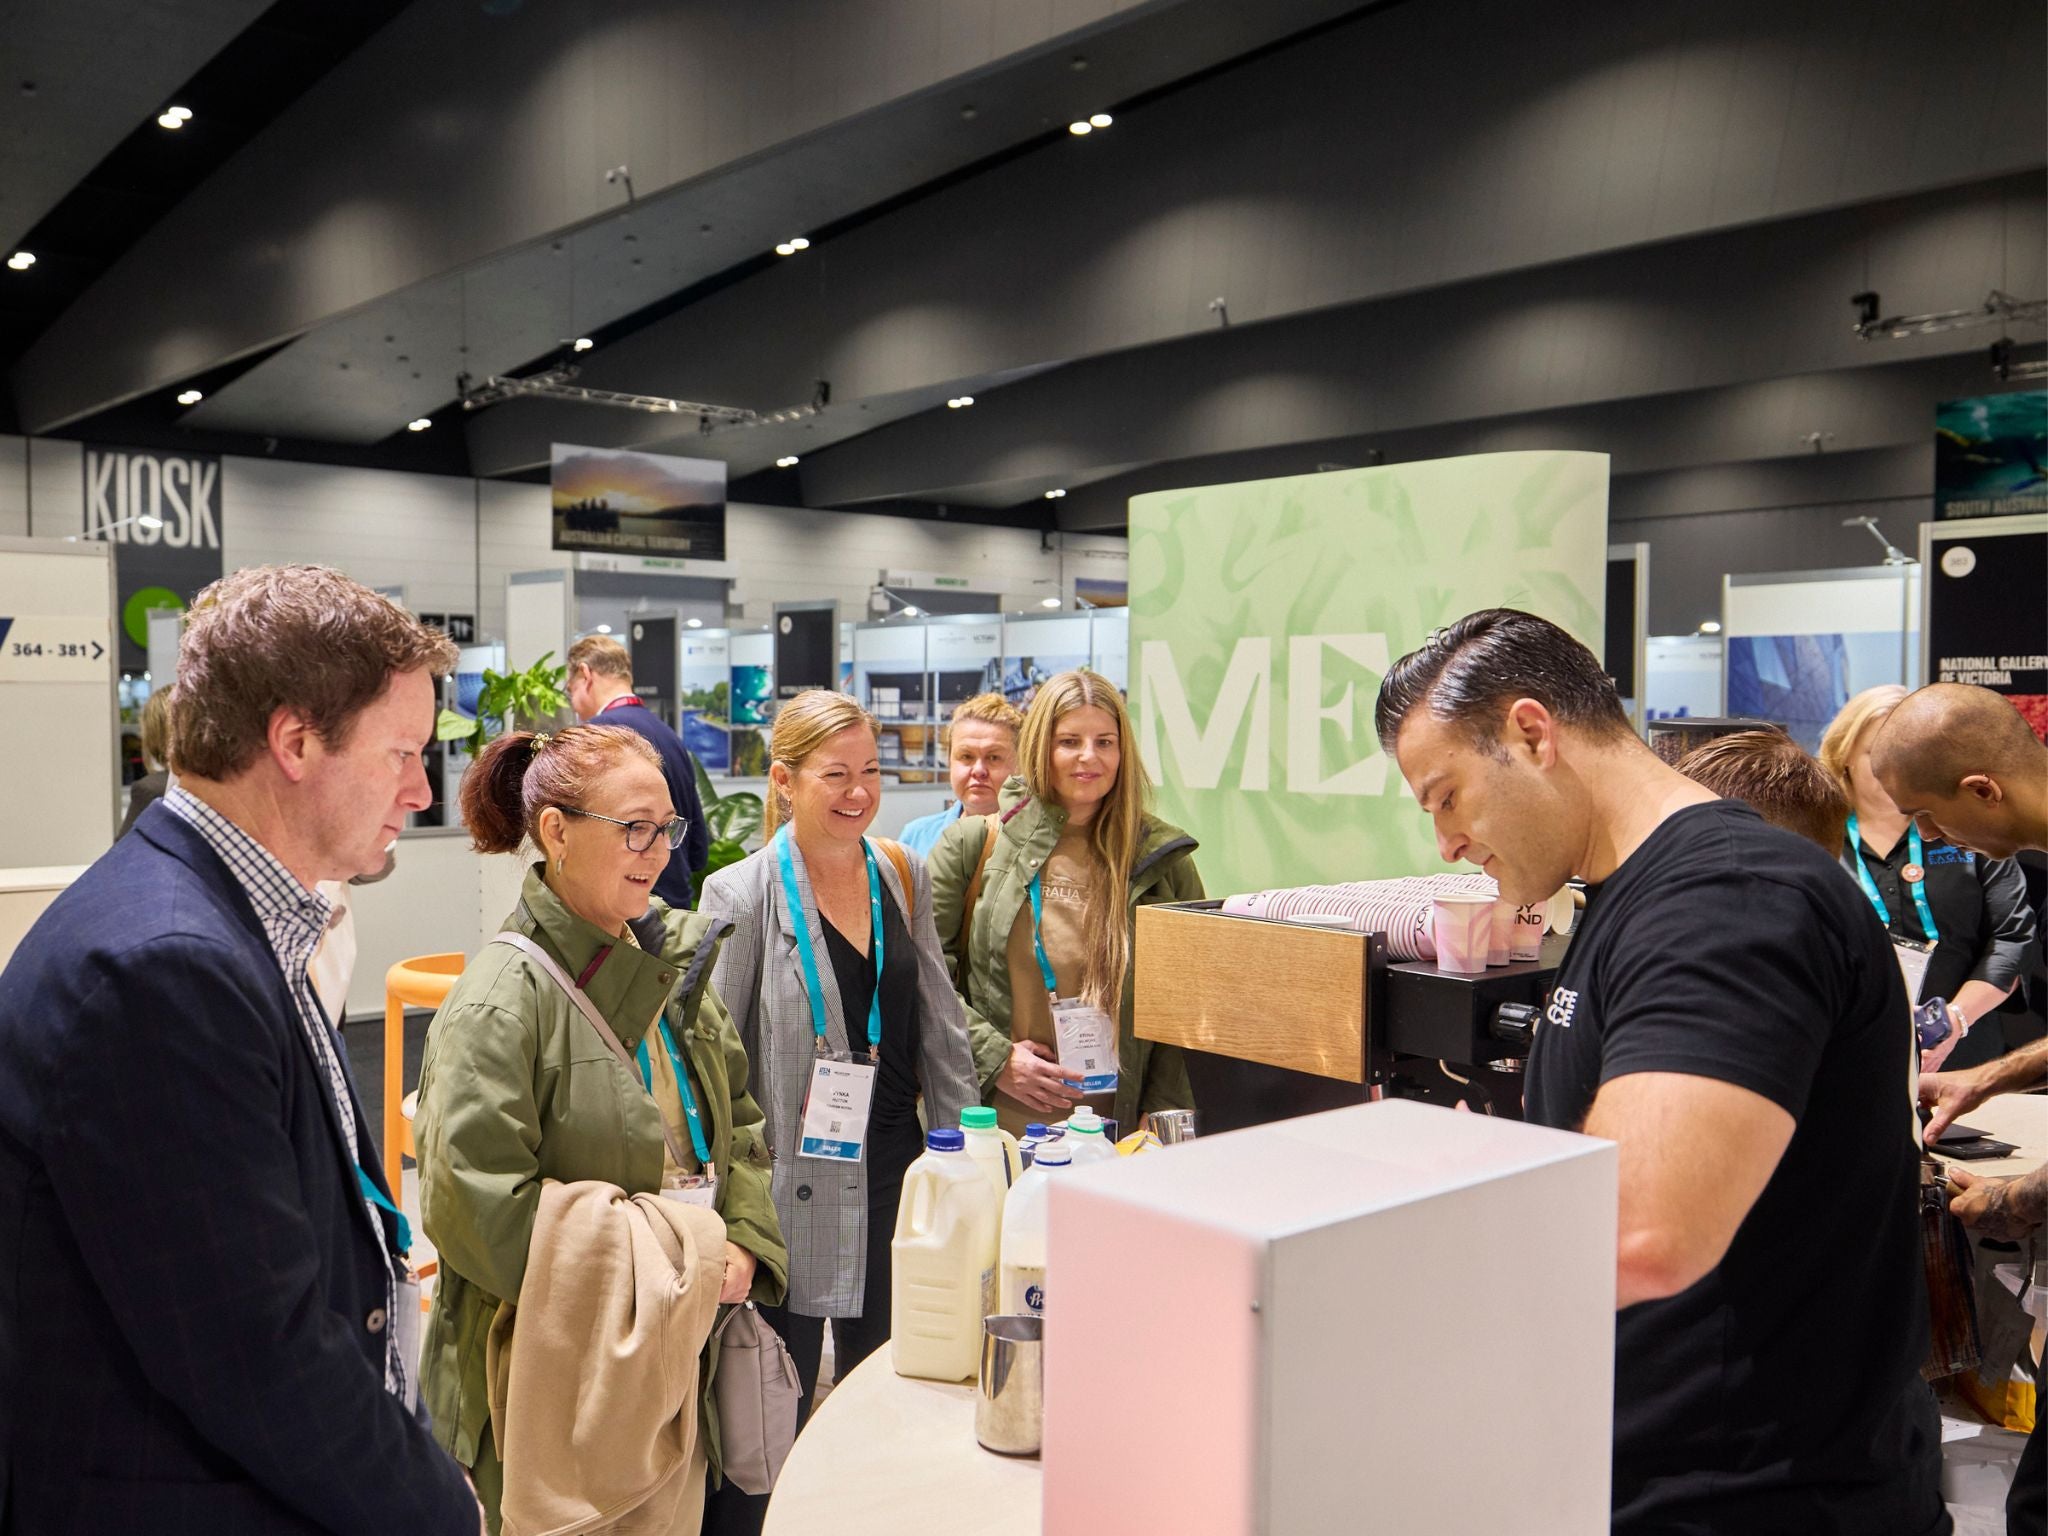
1052, 985
382, 1201
800, 920
1915, 856
675, 1059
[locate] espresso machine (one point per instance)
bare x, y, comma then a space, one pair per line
1280, 1019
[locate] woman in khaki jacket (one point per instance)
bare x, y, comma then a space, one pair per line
1073, 853
518, 1087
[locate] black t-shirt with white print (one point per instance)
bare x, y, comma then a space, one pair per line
1781, 1393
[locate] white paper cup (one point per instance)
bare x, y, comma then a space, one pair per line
1527, 940
1563, 911
1463, 926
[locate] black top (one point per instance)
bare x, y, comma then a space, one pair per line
895, 1138
1782, 1391
676, 766
1981, 910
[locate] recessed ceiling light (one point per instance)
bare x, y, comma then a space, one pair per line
182, 114
21, 261
419, 424
1055, 494
787, 461
1710, 626
959, 402
693, 623
785, 249
1049, 602
1080, 128
799, 243
581, 344
604, 629
190, 397
909, 612
1100, 120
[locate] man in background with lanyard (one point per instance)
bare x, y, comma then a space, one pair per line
1963, 760
600, 689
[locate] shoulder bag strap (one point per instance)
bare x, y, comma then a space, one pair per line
991, 825
900, 857
589, 1010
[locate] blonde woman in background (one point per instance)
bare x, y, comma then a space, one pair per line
1973, 911
1071, 856
834, 963
156, 757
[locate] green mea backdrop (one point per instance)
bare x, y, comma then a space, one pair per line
1264, 614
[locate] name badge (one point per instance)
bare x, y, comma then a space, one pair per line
692, 1189
1913, 957
835, 1120
1087, 1043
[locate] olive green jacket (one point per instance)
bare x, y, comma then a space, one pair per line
1151, 1076
516, 1087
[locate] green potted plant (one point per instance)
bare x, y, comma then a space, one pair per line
733, 820
522, 700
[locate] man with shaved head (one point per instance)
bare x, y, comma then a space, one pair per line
1964, 763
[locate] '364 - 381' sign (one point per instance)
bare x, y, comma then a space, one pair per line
164, 511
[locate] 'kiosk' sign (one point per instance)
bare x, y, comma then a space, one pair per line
164, 510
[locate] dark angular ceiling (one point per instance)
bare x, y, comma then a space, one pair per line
1313, 229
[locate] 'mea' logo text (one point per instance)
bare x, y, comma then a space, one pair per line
1244, 705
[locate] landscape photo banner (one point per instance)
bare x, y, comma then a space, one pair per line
1265, 614
616, 500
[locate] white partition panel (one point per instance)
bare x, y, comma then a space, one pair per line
537, 608
58, 660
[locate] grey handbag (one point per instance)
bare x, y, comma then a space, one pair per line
757, 1391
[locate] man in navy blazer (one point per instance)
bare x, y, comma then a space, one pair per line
201, 1280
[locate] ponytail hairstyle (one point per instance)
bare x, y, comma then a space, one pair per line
521, 774
802, 726
1113, 836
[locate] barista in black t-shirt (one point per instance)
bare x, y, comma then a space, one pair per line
1731, 1016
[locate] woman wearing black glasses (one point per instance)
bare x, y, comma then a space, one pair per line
519, 1085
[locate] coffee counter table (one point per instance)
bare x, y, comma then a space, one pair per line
884, 1452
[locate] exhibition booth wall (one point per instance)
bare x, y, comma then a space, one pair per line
449, 542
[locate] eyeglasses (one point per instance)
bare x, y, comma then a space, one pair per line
640, 835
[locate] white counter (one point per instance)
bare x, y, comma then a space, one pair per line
2020, 1118
24, 896
884, 1451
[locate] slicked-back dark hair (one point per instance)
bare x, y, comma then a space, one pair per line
1469, 673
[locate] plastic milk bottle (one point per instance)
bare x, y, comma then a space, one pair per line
1023, 1288
994, 1149
944, 1256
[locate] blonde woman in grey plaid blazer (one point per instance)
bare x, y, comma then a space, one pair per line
825, 785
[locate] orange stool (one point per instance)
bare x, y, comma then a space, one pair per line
421, 982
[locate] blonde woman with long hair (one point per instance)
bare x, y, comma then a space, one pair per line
1062, 868
833, 965
1963, 921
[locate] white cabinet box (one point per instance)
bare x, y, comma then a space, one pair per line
1391, 1318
